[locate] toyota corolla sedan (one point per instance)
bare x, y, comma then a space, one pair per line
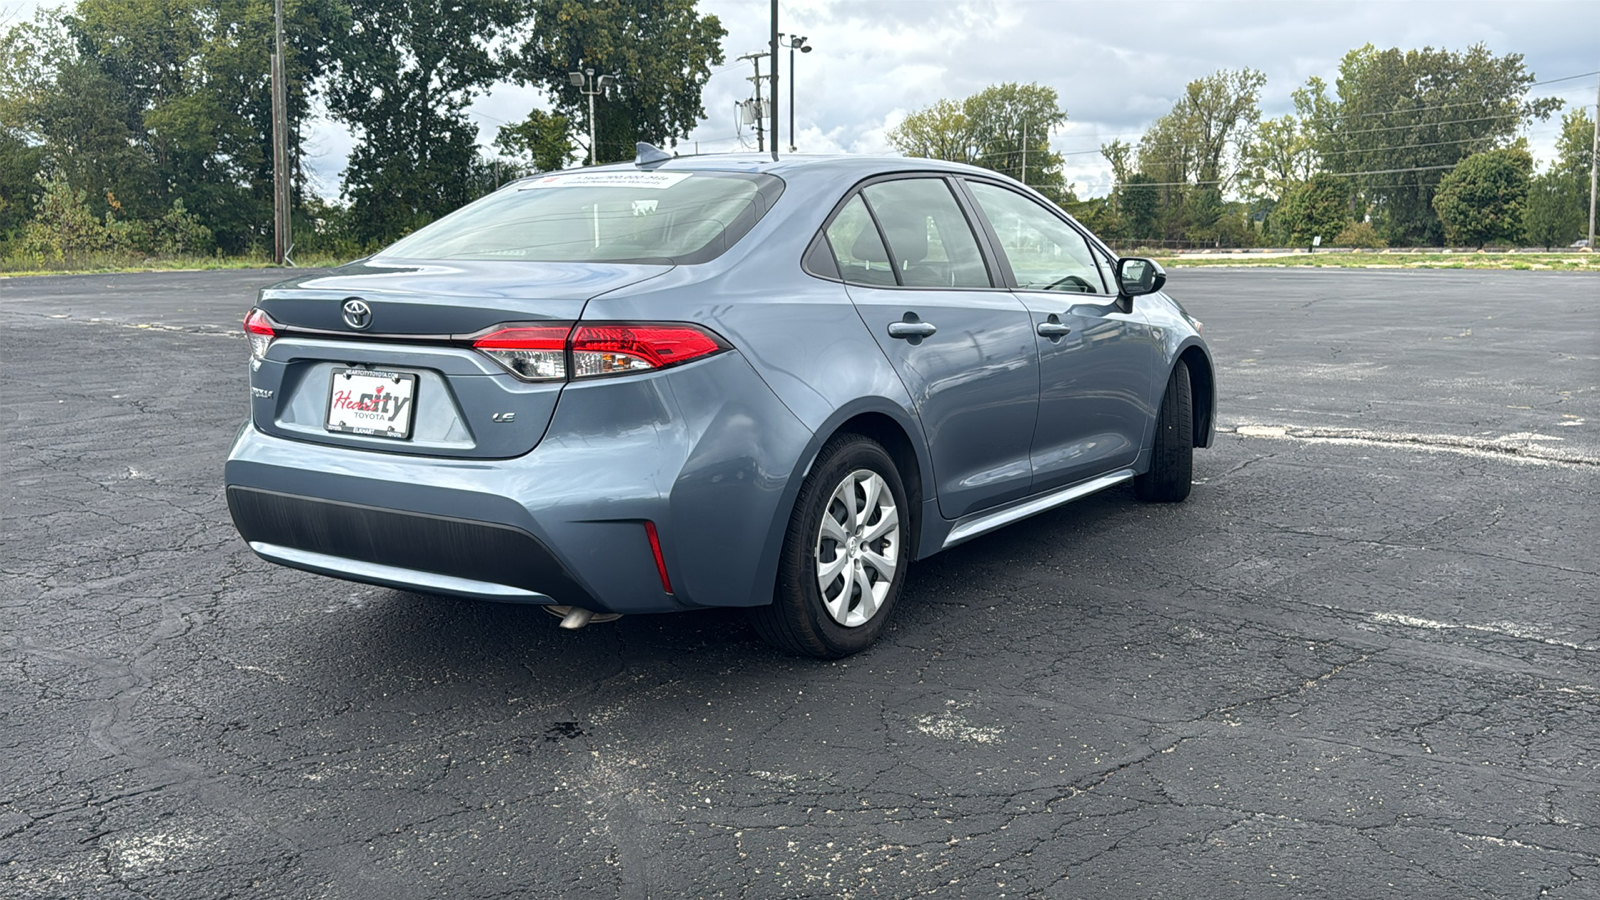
710, 382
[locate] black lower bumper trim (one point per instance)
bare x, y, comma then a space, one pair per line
480, 551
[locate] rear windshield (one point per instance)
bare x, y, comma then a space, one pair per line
620, 216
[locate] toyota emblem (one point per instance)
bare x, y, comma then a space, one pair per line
357, 314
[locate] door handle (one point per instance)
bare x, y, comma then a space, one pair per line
911, 329
1053, 329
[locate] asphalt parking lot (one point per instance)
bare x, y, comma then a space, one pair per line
1363, 660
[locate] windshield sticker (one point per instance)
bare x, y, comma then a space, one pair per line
652, 180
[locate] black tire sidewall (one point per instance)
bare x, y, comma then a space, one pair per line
797, 583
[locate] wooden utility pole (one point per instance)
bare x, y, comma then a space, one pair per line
282, 238
761, 143
1594, 166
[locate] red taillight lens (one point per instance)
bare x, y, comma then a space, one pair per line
530, 352
616, 349
260, 330
541, 352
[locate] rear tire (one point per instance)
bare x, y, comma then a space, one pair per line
844, 557
1172, 458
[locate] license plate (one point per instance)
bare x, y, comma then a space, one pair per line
372, 402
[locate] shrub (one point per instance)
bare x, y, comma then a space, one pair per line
1359, 234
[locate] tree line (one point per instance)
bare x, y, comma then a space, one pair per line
144, 126
1406, 148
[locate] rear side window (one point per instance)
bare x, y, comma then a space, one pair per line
617, 216
857, 246
930, 242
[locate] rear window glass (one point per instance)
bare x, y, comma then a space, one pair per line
645, 217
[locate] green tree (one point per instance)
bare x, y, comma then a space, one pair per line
1190, 151
19, 188
542, 141
1557, 209
1004, 127
661, 51
1408, 117
1575, 146
1278, 157
155, 101
1140, 204
405, 75
940, 131
1482, 200
1317, 207
1013, 122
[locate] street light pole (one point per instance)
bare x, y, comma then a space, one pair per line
794, 42
591, 87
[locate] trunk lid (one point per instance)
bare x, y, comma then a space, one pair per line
418, 320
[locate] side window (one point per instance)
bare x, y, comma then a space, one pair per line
930, 242
1108, 271
1045, 253
857, 247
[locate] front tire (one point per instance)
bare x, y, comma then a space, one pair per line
845, 554
1172, 457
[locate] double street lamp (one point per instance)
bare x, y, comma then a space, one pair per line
591, 86
793, 42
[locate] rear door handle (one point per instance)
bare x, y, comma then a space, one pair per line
911, 329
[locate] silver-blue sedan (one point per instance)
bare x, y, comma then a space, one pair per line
710, 381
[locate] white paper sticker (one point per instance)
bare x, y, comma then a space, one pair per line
652, 180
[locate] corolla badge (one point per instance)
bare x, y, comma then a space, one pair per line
357, 314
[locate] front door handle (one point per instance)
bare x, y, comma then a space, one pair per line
911, 329
1053, 329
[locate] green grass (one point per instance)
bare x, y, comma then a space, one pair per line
94, 264
1377, 259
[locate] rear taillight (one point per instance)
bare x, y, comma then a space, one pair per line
615, 349
260, 330
542, 352
530, 352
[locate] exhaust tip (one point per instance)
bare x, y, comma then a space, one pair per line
575, 617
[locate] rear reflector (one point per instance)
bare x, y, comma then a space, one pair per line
655, 548
530, 352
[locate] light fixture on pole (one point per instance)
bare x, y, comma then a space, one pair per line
591, 86
793, 42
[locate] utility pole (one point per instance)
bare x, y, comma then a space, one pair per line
761, 144
1024, 151
773, 49
282, 239
794, 42
1594, 166
591, 87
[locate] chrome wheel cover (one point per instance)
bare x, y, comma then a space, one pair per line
857, 550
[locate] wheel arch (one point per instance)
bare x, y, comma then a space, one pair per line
1202, 391
896, 430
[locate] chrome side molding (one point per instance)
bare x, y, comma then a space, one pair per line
971, 526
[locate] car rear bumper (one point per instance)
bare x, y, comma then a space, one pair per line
704, 453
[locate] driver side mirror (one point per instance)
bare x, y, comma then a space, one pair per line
1137, 276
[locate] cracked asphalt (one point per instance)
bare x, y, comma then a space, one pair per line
1363, 660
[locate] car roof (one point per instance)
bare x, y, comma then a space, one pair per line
861, 166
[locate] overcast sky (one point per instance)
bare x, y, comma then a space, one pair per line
1116, 65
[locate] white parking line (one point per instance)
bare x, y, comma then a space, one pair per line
1527, 448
